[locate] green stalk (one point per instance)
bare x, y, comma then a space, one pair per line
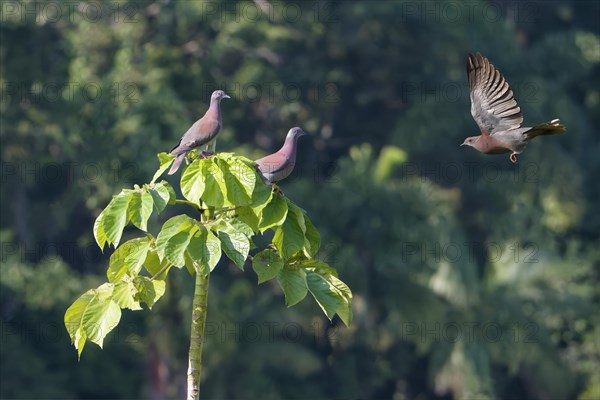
199, 311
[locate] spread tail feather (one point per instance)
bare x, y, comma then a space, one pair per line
177, 163
549, 128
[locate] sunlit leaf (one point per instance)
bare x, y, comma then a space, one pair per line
124, 294
312, 238
128, 258
115, 217
192, 181
267, 265
293, 283
239, 181
274, 213
289, 237
205, 250
149, 291
165, 161
162, 194
92, 316
215, 190
326, 295
235, 244
174, 238
140, 209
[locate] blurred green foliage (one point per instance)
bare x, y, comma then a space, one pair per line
472, 278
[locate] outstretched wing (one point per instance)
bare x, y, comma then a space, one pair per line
493, 105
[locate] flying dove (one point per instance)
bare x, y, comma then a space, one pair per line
495, 110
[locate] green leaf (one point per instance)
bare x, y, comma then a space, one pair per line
124, 294
293, 283
326, 295
274, 214
165, 161
239, 181
234, 243
248, 216
289, 237
344, 311
192, 181
92, 316
204, 250
312, 238
140, 209
154, 266
149, 291
267, 265
115, 217
262, 193
162, 194
99, 233
174, 237
319, 267
241, 226
128, 259
215, 190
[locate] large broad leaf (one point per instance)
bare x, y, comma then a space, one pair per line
344, 311
92, 316
215, 191
174, 238
124, 294
320, 267
234, 243
274, 214
326, 295
248, 216
293, 283
267, 265
148, 290
99, 233
157, 268
128, 259
165, 160
289, 237
239, 181
140, 209
261, 195
112, 220
204, 251
192, 181
162, 194
312, 238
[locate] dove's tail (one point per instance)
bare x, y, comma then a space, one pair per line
177, 163
549, 128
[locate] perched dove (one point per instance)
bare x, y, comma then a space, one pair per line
202, 132
278, 166
495, 110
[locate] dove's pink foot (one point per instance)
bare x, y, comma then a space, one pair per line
513, 157
206, 154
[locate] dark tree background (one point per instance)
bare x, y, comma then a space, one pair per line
472, 277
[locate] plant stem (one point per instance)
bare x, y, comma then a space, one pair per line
190, 203
199, 311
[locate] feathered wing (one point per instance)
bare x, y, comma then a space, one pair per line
493, 105
273, 167
202, 132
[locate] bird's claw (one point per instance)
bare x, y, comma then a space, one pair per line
513, 158
277, 189
206, 154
